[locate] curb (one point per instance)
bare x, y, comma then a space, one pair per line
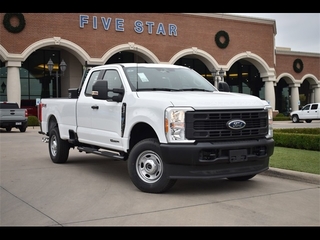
293, 175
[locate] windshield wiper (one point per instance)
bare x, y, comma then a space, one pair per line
159, 89
196, 89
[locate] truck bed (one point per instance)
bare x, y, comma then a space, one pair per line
62, 108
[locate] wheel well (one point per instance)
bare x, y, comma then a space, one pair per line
139, 132
52, 123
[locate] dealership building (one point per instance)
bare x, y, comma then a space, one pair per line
45, 54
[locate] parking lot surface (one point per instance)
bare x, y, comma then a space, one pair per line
91, 190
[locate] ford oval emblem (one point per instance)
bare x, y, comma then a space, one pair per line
236, 124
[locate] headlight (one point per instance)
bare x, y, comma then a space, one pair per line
270, 122
174, 124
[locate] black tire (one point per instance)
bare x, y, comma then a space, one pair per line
308, 121
23, 128
58, 148
295, 118
8, 129
242, 178
147, 169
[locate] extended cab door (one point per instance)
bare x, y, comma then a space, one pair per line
100, 120
84, 109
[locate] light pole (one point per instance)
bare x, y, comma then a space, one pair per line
216, 76
63, 67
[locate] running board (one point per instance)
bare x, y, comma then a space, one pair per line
101, 153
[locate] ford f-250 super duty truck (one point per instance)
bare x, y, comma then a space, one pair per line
166, 121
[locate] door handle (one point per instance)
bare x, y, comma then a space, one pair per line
95, 107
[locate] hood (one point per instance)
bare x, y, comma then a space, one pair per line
296, 111
204, 100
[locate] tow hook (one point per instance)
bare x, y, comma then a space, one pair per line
45, 139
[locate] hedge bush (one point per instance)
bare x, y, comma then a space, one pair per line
299, 138
281, 117
33, 121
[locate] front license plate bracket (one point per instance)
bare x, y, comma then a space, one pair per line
239, 155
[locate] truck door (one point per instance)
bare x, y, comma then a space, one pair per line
106, 115
85, 110
314, 111
305, 112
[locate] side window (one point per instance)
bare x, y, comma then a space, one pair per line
314, 106
114, 80
306, 107
92, 80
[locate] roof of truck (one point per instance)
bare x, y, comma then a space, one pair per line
166, 65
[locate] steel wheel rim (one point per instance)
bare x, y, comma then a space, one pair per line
149, 166
53, 145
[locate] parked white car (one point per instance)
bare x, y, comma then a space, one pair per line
308, 113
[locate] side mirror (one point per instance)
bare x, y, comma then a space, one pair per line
223, 87
119, 96
73, 92
100, 90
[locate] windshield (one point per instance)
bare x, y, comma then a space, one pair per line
166, 79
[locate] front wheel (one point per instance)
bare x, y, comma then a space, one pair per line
295, 118
147, 169
308, 121
58, 148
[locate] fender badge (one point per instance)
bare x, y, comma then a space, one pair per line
236, 124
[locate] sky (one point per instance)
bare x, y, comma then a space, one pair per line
298, 31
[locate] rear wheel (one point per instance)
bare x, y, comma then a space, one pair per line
295, 118
58, 148
308, 121
23, 128
8, 129
147, 169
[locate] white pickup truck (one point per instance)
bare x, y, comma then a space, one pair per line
166, 121
307, 113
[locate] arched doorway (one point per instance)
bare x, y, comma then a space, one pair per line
35, 79
125, 57
305, 93
283, 97
196, 65
244, 77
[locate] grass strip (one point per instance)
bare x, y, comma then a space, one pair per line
296, 159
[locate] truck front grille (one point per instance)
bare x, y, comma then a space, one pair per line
212, 125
